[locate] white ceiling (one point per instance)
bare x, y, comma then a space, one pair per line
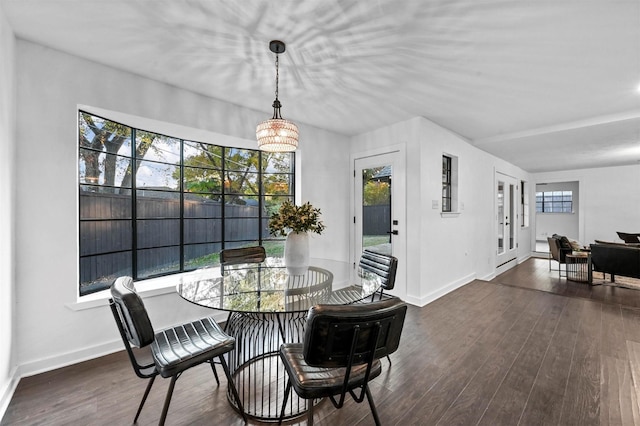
544, 84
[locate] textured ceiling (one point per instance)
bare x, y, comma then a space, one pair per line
546, 85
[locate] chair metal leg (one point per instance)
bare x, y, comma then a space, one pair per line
372, 405
287, 390
215, 373
310, 413
232, 385
144, 397
389, 359
167, 400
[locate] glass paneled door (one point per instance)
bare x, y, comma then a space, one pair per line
379, 208
506, 216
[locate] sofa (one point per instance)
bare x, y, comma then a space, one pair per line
616, 259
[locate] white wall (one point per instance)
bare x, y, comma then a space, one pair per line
51, 85
609, 200
444, 253
7, 198
566, 224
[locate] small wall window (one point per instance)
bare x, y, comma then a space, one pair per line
524, 203
554, 202
446, 183
449, 183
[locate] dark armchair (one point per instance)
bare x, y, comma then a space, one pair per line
558, 250
173, 350
629, 238
341, 352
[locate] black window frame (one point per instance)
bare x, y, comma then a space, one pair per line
548, 202
258, 219
447, 184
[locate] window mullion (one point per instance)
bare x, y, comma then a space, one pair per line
223, 191
134, 202
260, 198
181, 209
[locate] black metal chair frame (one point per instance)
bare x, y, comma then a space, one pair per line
342, 347
136, 331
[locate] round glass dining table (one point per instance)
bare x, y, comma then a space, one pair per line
267, 306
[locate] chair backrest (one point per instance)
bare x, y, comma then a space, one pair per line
628, 237
384, 266
554, 249
345, 335
254, 254
130, 313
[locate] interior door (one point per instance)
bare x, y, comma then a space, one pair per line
379, 206
506, 220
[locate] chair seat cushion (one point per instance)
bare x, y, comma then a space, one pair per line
315, 382
179, 348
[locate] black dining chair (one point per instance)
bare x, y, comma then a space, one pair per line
237, 256
173, 350
341, 352
382, 266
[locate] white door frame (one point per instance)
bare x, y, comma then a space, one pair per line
397, 153
509, 257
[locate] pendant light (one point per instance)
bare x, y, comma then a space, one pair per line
277, 134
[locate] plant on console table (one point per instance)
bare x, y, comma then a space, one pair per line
296, 222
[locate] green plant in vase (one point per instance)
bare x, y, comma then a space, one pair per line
296, 222
292, 218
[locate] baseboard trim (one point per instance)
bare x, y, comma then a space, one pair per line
63, 360
438, 293
8, 391
524, 258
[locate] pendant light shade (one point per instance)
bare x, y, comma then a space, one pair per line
277, 134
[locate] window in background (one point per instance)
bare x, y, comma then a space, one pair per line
153, 205
554, 202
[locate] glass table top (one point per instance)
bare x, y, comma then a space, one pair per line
269, 288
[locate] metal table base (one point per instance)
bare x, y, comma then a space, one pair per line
255, 365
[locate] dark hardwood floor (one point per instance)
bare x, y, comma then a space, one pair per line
534, 274
489, 353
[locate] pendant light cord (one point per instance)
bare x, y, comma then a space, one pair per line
277, 75
276, 103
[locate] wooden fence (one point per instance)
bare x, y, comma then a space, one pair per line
106, 228
376, 220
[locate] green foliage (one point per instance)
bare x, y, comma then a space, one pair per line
376, 193
304, 218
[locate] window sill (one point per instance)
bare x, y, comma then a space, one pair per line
449, 214
147, 288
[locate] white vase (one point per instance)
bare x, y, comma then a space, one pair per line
296, 253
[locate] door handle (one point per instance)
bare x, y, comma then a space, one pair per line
394, 232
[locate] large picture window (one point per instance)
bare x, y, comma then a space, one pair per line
152, 204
